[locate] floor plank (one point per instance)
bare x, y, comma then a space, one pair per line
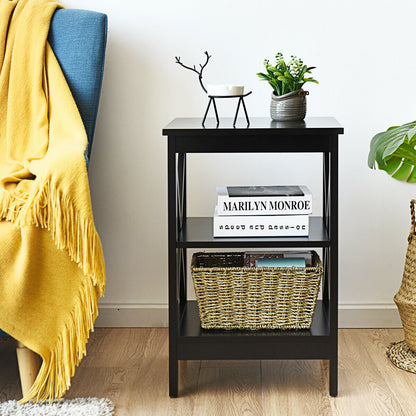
401, 383
145, 378
362, 386
236, 389
295, 388
130, 366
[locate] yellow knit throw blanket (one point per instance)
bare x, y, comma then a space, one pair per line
51, 261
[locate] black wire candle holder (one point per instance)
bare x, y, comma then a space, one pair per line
240, 101
212, 98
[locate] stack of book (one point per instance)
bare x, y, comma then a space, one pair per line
262, 211
278, 259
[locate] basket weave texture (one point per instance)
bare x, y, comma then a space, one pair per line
405, 298
402, 356
231, 296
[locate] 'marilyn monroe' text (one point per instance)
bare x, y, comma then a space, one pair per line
246, 206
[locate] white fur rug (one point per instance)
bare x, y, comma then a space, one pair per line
91, 406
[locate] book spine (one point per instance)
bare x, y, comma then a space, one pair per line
277, 205
261, 226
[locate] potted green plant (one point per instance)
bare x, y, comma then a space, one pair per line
393, 151
288, 101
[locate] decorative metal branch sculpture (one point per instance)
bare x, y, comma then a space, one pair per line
213, 95
178, 61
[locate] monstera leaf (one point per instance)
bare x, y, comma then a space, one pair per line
394, 151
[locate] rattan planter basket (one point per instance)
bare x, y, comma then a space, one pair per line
231, 296
405, 298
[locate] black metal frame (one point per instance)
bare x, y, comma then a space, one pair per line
240, 101
187, 341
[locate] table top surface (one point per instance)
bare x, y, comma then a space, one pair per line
257, 124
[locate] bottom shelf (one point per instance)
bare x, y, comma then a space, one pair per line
191, 325
196, 343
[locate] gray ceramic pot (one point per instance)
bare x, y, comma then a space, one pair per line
288, 107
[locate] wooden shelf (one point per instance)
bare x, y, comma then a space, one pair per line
195, 343
191, 326
198, 233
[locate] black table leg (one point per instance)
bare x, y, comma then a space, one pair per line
333, 377
172, 269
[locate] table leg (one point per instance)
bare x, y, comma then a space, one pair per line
173, 268
333, 377
173, 376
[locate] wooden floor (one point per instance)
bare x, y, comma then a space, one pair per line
130, 366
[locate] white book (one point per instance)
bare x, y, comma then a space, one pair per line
264, 200
260, 225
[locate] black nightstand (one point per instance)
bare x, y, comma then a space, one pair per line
187, 341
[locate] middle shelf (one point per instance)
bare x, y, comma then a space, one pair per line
197, 232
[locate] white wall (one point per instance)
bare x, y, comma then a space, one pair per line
363, 51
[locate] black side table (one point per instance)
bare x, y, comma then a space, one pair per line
187, 341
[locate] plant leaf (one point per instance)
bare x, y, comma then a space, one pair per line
275, 85
302, 71
412, 176
310, 80
263, 76
411, 135
407, 152
282, 65
403, 172
393, 151
392, 164
394, 139
288, 76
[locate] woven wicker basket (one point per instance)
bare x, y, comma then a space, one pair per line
405, 298
231, 296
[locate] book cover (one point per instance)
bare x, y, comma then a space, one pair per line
252, 257
260, 225
279, 262
264, 200
274, 190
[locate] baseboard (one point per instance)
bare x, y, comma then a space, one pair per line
351, 315
369, 315
132, 315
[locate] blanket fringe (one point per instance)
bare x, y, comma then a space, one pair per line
46, 206
54, 377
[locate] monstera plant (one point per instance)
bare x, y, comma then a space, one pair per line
394, 151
